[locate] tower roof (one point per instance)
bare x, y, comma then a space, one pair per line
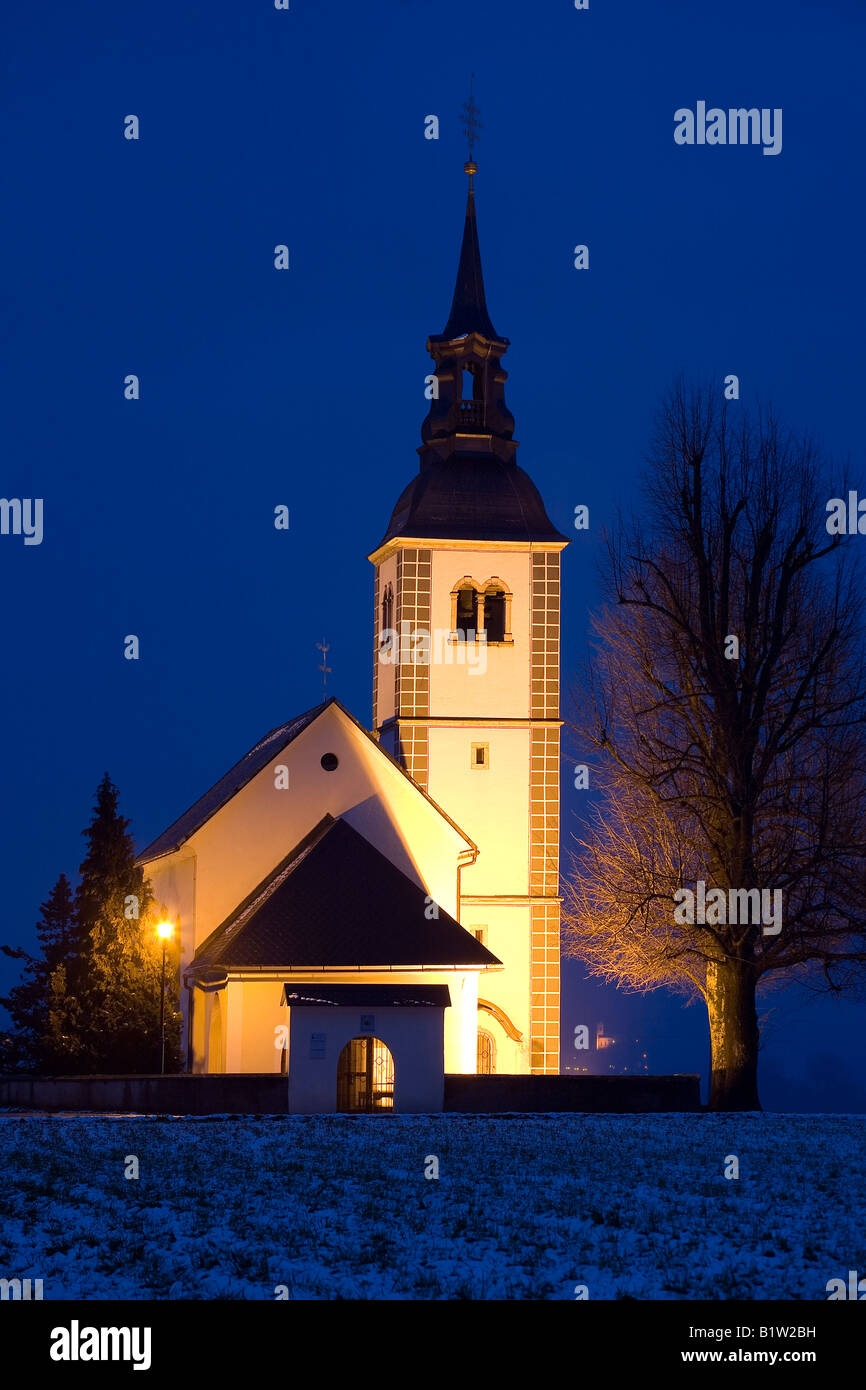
467, 497
469, 307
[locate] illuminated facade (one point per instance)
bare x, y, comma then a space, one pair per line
471, 555
362, 910
315, 863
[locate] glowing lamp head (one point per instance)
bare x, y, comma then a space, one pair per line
165, 930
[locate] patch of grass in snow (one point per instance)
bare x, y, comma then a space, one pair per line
526, 1206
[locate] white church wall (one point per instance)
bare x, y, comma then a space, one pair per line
507, 935
234, 1027
461, 1024
196, 1021
491, 804
261, 1019
172, 881
215, 1030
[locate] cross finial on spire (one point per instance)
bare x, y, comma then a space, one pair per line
471, 126
468, 309
324, 647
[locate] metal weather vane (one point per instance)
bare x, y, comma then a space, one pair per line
471, 124
324, 648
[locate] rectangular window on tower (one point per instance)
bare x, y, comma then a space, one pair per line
480, 755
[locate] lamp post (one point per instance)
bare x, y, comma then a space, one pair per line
165, 930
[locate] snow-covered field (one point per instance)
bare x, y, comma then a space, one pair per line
525, 1206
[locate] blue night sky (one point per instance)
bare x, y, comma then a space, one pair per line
306, 387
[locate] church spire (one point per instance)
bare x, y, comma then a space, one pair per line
468, 413
469, 307
469, 486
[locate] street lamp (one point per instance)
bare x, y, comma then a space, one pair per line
165, 930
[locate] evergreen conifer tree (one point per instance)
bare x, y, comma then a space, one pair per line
117, 978
91, 1001
37, 1043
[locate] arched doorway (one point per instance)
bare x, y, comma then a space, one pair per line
365, 1077
485, 1064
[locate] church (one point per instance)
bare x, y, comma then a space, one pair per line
366, 910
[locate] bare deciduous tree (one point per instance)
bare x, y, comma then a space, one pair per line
745, 773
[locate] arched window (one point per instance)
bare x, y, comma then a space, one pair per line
486, 1058
494, 615
387, 609
465, 617
476, 607
365, 1077
468, 387
496, 610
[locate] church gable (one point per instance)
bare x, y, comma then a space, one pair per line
337, 902
325, 763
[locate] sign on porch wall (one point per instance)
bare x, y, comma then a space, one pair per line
317, 1045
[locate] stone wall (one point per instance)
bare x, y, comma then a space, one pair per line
241, 1094
484, 1095
267, 1094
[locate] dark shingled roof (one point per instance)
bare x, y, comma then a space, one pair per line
472, 497
223, 790
337, 901
303, 995
469, 306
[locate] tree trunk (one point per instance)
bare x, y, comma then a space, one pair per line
733, 1021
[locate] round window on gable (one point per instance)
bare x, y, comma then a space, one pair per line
330, 761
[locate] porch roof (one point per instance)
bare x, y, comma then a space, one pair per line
337, 902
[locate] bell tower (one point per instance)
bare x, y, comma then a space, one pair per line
468, 353
466, 667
